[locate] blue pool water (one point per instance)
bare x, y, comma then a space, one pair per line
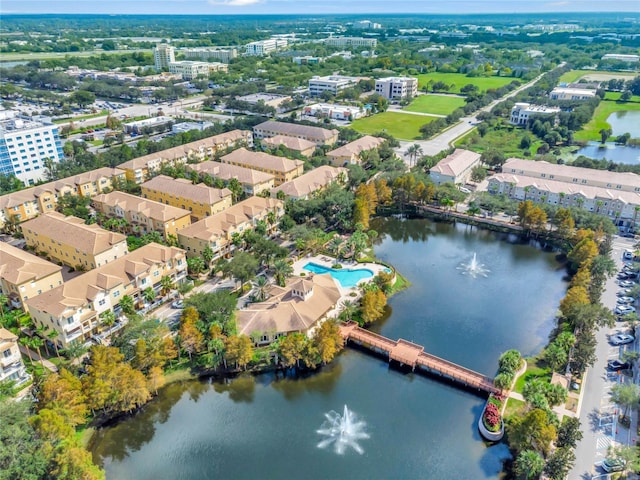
345, 276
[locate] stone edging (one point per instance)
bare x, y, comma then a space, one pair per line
491, 436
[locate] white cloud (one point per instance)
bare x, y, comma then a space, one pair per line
235, 3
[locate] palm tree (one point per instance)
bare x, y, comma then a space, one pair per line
348, 309
149, 295
3, 301
37, 342
262, 285
282, 270
53, 335
126, 303
529, 464
413, 152
41, 331
25, 342
166, 284
75, 350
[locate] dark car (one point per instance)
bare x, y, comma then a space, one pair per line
618, 365
613, 465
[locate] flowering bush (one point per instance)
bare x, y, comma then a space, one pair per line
492, 417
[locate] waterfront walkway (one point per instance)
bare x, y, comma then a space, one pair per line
413, 355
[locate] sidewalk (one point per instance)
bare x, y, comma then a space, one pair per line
37, 358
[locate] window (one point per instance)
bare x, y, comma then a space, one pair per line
116, 293
102, 302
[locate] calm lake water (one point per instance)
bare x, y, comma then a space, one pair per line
262, 427
625, 122
621, 123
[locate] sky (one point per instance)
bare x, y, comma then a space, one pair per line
250, 7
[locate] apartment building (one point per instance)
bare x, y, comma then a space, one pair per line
70, 241
317, 135
342, 42
333, 84
200, 200
264, 47
303, 147
352, 151
190, 69
283, 169
163, 55
522, 112
25, 144
312, 182
30, 202
455, 168
140, 169
142, 215
24, 275
224, 55
12, 368
563, 93
253, 182
396, 88
74, 309
217, 231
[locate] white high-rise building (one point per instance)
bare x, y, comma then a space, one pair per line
333, 84
264, 47
397, 87
25, 144
163, 55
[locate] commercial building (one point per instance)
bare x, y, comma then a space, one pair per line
621, 57
163, 55
190, 69
149, 125
74, 309
142, 215
317, 135
253, 182
264, 47
562, 93
366, 25
224, 55
25, 144
394, 88
350, 153
283, 169
139, 169
342, 42
200, 200
296, 307
70, 241
316, 180
307, 60
333, 111
268, 99
217, 232
12, 368
333, 84
303, 147
522, 112
24, 275
30, 202
187, 126
455, 168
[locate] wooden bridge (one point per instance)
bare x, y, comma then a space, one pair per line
413, 355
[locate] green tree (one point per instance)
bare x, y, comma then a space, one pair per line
560, 463
281, 271
195, 265
528, 465
626, 396
243, 266
149, 295
73, 462
82, 98
531, 432
126, 303
207, 255
239, 350
569, 433
166, 284
291, 349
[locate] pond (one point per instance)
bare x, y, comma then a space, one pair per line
625, 122
417, 427
610, 151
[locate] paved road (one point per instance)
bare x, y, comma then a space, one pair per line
597, 435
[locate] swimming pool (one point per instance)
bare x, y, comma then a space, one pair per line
344, 276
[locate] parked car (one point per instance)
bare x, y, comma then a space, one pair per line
625, 300
618, 365
628, 255
624, 309
177, 304
624, 292
621, 339
622, 276
626, 283
613, 465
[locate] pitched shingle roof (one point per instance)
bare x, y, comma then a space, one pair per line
183, 188
226, 172
292, 143
311, 181
148, 208
290, 129
262, 160
456, 163
356, 147
18, 266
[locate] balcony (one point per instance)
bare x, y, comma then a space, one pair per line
5, 362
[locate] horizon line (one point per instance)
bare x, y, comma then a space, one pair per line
387, 14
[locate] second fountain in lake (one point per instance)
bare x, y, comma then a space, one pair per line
342, 432
474, 268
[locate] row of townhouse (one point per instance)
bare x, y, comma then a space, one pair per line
253, 182
31, 202
319, 136
140, 169
312, 182
74, 308
300, 145
613, 194
12, 368
282, 169
351, 153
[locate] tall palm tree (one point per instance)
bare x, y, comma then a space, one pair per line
3, 301
282, 270
348, 310
53, 335
149, 294
25, 342
41, 331
262, 285
166, 284
413, 152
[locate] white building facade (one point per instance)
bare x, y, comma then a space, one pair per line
333, 84
163, 55
394, 88
521, 112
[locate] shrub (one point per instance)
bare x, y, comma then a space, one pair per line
492, 417
336, 266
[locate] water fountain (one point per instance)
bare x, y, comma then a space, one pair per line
342, 431
474, 268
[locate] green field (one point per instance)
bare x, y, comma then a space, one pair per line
591, 131
506, 140
575, 75
435, 104
28, 56
459, 80
402, 126
615, 96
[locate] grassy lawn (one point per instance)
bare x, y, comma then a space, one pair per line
459, 80
615, 96
534, 370
514, 407
575, 75
435, 104
82, 117
599, 121
28, 56
506, 140
401, 125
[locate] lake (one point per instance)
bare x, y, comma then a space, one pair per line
625, 122
418, 427
621, 123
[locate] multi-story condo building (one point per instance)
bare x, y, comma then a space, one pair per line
317, 135
366, 25
163, 55
140, 169
455, 168
30, 202
621, 57
74, 309
264, 47
351, 42
216, 232
283, 169
25, 144
521, 112
253, 182
224, 55
351, 152
300, 145
313, 181
394, 88
24, 275
200, 200
563, 93
190, 69
11, 367
70, 241
142, 215
333, 84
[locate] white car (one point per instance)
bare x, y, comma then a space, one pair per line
621, 339
624, 309
625, 300
626, 283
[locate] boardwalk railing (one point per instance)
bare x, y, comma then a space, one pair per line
411, 354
